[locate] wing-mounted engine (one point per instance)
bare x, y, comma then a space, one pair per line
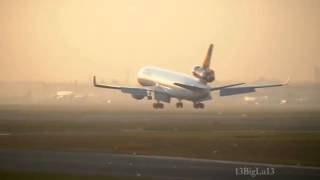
138, 97
204, 73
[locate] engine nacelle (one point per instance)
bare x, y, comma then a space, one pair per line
138, 97
204, 74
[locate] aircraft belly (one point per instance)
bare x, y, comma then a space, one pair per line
188, 95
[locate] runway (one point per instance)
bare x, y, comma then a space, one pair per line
155, 167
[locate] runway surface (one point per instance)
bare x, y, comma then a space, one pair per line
155, 167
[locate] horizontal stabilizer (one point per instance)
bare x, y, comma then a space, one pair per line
189, 87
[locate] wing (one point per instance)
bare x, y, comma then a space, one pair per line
197, 88
137, 92
247, 89
227, 86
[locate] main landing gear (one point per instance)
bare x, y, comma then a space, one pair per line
149, 96
179, 105
158, 105
198, 105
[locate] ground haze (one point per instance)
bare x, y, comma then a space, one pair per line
265, 135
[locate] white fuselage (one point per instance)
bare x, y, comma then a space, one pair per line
153, 76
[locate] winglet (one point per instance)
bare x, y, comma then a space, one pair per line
103, 86
94, 81
287, 81
206, 62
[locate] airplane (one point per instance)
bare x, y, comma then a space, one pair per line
162, 85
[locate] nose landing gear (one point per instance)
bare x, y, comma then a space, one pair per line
149, 96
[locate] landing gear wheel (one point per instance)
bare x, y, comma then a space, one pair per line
179, 105
149, 95
161, 105
198, 105
158, 105
201, 105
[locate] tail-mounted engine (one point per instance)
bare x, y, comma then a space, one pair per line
204, 73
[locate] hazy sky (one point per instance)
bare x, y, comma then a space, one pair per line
66, 40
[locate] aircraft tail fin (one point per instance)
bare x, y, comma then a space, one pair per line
206, 62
